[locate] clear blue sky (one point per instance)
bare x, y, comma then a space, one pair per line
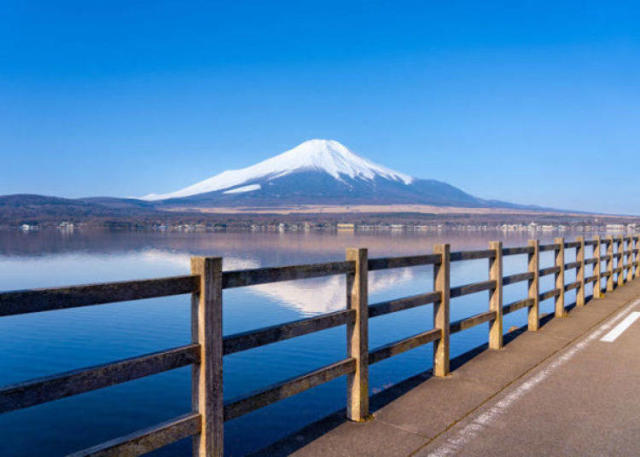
530, 101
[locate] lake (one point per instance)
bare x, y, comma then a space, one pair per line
47, 343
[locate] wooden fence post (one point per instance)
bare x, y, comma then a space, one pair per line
636, 258
441, 318
623, 259
620, 264
632, 257
534, 285
636, 245
358, 337
622, 244
629, 259
610, 263
597, 285
559, 276
206, 378
580, 294
495, 295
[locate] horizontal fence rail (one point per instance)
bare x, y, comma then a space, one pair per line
471, 255
549, 271
467, 289
520, 250
50, 388
513, 279
613, 262
400, 304
398, 347
32, 301
258, 276
472, 321
147, 440
515, 306
287, 388
255, 338
402, 262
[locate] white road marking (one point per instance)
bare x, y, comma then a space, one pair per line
621, 327
454, 444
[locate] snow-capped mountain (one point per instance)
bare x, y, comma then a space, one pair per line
316, 172
326, 156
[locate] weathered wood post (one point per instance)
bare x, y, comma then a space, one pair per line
559, 277
441, 318
629, 259
580, 294
632, 259
610, 263
358, 336
625, 264
534, 285
597, 285
622, 243
495, 295
206, 377
636, 245
636, 261
620, 265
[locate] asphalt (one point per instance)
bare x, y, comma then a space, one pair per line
557, 392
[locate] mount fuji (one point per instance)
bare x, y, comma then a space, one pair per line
318, 172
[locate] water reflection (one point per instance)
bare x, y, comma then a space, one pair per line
269, 248
47, 343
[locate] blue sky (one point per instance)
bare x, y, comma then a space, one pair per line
532, 102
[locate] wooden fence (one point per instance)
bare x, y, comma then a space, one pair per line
205, 423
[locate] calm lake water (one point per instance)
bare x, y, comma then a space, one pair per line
47, 343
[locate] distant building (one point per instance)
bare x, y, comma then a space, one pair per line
346, 227
29, 227
66, 227
366, 228
615, 228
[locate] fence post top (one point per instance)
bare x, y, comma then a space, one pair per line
441, 247
533, 242
357, 254
212, 262
495, 244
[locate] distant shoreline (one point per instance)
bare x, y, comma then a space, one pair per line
379, 209
340, 222
32, 212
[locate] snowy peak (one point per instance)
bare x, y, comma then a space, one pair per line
335, 159
327, 156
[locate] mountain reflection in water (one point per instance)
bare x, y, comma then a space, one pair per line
46, 343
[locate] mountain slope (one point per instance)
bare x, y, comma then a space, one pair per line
41, 207
325, 156
316, 172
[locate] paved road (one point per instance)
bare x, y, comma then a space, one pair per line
583, 402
